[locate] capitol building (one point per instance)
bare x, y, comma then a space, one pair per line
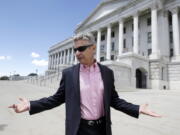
138, 39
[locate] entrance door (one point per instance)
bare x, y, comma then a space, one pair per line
141, 79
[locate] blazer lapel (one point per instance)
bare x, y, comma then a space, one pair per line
76, 81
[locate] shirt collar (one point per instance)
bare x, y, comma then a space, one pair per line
93, 68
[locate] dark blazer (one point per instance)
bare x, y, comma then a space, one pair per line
69, 93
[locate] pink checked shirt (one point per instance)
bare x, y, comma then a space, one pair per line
91, 92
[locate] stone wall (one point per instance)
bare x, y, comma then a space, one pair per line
158, 70
174, 75
122, 75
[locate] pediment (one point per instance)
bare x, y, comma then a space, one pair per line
104, 8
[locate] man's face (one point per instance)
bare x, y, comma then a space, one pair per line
86, 56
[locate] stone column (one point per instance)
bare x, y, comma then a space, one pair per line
55, 61
49, 62
108, 47
60, 60
121, 38
68, 55
98, 45
64, 58
55, 56
53, 65
62, 55
175, 26
58, 55
136, 34
72, 55
154, 28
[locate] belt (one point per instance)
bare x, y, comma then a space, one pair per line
97, 122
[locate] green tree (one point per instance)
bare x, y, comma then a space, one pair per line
4, 78
32, 74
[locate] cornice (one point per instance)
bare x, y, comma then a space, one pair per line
91, 14
172, 5
96, 9
60, 44
119, 10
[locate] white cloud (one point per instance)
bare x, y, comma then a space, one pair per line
5, 57
40, 63
2, 57
35, 55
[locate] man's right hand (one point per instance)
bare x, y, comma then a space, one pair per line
23, 106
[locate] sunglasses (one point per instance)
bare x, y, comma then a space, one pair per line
82, 48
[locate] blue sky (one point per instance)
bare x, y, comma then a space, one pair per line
29, 27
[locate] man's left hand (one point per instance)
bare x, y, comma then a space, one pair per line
144, 110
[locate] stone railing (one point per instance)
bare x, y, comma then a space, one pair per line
51, 81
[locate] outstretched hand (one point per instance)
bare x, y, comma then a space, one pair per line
22, 106
144, 110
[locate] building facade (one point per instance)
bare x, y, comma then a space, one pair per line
138, 39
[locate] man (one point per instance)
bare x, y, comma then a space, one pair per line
88, 91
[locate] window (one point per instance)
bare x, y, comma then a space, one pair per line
149, 51
171, 37
124, 43
112, 57
124, 30
102, 47
171, 52
170, 19
112, 46
102, 37
112, 34
149, 22
102, 59
149, 37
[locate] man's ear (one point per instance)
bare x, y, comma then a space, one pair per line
94, 47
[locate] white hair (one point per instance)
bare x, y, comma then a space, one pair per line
88, 36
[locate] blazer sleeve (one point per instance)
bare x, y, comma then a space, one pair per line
122, 105
49, 102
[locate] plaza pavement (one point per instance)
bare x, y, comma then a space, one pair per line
165, 102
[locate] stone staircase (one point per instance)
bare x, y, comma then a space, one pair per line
51, 81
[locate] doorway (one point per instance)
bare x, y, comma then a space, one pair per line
141, 78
